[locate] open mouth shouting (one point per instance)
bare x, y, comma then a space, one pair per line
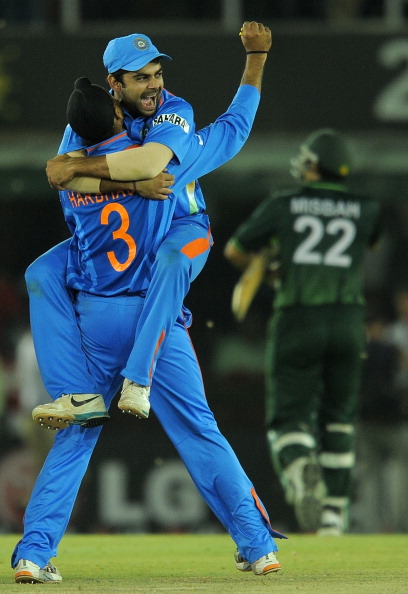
150, 101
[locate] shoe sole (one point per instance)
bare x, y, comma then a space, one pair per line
270, 569
24, 577
140, 414
28, 578
54, 422
309, 509
93, 422
273, 569
137, 412
59, 422
308, 513
240, 563
243, 566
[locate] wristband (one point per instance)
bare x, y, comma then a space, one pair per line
258, 52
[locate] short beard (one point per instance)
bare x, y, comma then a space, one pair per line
135, 112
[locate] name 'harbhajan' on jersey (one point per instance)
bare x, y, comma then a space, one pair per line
325, 207
77, 199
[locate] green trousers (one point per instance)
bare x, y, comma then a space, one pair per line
313, 369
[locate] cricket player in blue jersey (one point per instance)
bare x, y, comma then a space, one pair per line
187, 244
177, 392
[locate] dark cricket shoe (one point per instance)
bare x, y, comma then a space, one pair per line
87, 410
307, 491
28, 572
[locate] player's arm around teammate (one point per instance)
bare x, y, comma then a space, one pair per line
213, 145
181, 406
150, 159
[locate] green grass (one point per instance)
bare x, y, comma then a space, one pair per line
204, 563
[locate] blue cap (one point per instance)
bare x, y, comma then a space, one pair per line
131, 53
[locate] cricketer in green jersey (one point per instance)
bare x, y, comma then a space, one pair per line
315, 337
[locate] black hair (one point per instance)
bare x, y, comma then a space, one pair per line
90, 111
118, 74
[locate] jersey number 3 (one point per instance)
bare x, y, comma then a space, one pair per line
121, 233
308, 253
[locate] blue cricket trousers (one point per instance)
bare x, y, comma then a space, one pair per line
179, 260
108, 326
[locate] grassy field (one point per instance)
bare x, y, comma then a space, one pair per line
204, 563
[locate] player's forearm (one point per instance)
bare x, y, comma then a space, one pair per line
110, 185
93, 185
84, 185
158, 188
146, 163
79, 172
128, 165
254, 69
236, 257
257, 41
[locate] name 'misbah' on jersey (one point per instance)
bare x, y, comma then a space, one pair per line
325, 207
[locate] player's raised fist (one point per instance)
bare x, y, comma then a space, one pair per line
256, 37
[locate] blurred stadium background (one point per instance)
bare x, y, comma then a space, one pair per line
337, 63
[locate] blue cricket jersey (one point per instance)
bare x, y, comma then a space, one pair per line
115, 235
195, 153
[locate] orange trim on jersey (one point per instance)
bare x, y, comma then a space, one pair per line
132, 146
259, 505
161, 101
264, 514
197, 246
106, 142
158, 345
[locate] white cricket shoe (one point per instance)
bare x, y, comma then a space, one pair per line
87, 410
266, 564
240, 563
28, 572
134, 399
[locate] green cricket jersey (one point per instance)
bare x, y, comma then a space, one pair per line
322, 232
